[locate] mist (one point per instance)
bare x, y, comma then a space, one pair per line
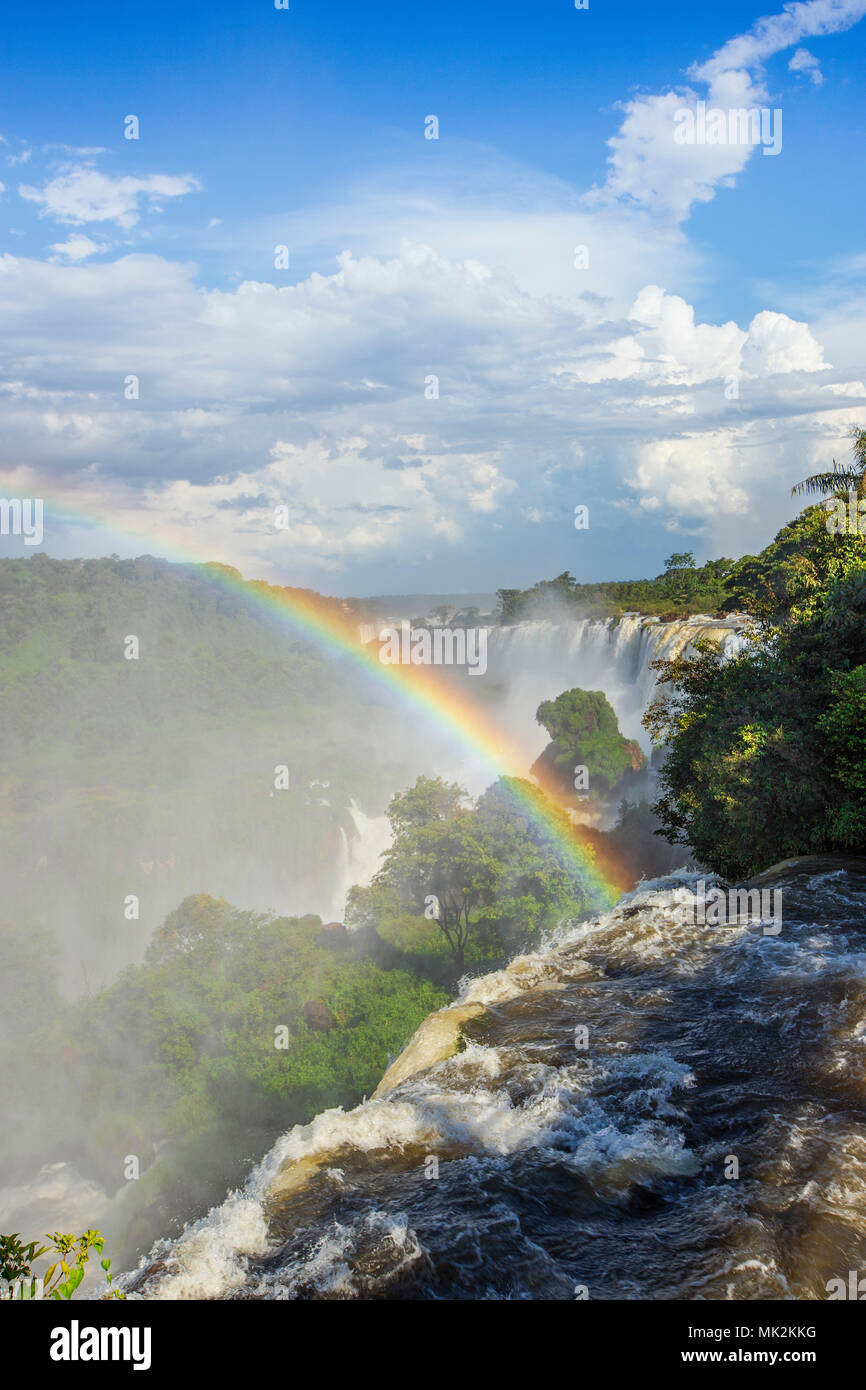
229, 760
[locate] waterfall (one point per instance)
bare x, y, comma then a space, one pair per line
366, 848
535, 661
359, 855
605, 1166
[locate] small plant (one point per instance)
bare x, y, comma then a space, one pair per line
61, 1279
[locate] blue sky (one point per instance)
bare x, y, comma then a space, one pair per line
707, 356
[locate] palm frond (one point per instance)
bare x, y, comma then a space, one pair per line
858, 446
820, 484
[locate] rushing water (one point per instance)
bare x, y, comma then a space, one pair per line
604, 1168
535, 661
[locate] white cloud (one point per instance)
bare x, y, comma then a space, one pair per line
254, 398
777, 343
525, 225
82, 194
772, 34
804, 61
648, 168
78, 247
666, 347
696, 473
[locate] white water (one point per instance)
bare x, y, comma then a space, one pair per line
58, 1198
536, 661
457, 1108
706, 1042
359, 856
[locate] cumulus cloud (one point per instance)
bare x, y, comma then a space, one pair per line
650, 170
255, 398
772, 34
806, 62
82, 194
776, 343
78, 247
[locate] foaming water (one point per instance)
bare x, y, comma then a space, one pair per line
708, 1141
537, 660
56, 1197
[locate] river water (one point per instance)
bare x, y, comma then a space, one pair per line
708, 1141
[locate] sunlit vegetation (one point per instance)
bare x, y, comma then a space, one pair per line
488, 877
683, 588
20, 1282
765, 755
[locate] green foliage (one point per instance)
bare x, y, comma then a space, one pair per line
151, 772
790, 576
18, 1281
680, 577
584, 731
843, 725
191, 1033
435, 861
765, 756
683, 586
181, 1051
540, 882
487, 877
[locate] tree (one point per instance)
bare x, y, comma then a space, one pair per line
199, 925
680, 576
765, 753
435, 862
510, 603
540, 882
791, 573
491, 874
428, 801
584, 731
715, 570
840, 479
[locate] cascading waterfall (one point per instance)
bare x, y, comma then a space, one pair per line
493, 1161
530, 1166
537, 660
360, 853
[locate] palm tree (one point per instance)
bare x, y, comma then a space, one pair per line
840, 480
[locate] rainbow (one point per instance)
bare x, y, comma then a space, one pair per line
420, 688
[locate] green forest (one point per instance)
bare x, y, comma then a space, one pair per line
233, 1024
682, 588
765, 751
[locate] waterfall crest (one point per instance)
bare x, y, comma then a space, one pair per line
537, 660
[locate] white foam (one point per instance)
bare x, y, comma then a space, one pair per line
210, 1258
